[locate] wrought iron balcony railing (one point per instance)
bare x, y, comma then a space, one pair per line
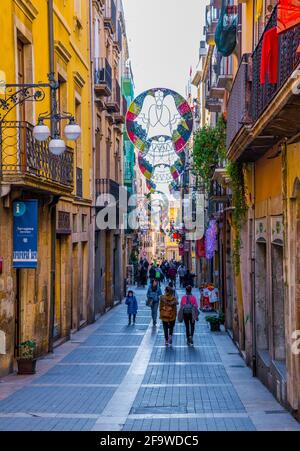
289, 59
120, 117
118, 37
249, 98
238, 106
114, 101
103, 77
23, 160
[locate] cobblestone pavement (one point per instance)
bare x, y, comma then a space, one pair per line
111, 376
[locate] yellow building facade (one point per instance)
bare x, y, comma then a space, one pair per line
47, 303
262, 134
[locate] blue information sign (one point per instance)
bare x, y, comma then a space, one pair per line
25, 233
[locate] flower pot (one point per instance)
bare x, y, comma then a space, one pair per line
26, 366
215, 327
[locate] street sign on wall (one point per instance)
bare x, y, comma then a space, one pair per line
25, 222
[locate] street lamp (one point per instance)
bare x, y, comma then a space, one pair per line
41, 132
72, 130
57, 146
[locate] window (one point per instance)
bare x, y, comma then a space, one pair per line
74, 223
84, 223
62, 101
117, 156
21, 75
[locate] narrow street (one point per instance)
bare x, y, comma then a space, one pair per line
115, 377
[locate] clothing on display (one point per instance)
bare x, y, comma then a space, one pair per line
270, 57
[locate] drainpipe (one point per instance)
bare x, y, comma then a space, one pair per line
54, 201
54, 84
254, 360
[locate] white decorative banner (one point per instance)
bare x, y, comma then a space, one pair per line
277, 229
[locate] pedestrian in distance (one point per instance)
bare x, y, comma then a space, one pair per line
152, 272
132, 306
168, 312
181, 273
172, 273
153, 295
189, 313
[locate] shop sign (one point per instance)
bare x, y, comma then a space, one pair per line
25, 223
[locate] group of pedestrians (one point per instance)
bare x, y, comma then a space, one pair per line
167, 304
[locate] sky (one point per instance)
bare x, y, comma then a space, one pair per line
164, 38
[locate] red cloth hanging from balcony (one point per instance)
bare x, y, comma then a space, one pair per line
200, 249
288, 14
269, 56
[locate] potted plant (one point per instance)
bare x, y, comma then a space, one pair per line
221, 317
26, 360
214, 323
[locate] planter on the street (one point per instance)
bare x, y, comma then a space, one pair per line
214, 322
26, 360
26, 366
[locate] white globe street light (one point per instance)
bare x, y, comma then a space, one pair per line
72, 131
41, 131
57, 146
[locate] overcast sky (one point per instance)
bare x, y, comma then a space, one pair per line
164, 37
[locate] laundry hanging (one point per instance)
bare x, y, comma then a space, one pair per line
226, 31
288, 14
270, 57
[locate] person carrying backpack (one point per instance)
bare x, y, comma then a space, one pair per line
168, 313
189, 314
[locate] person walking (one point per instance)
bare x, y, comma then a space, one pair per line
132, 306
181, 273
189, 313
152, 272
172, 273
168, 312
143, 276
153, 295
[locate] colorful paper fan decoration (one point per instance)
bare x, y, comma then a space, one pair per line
145, 167
211, 239
156, 113
173, 187
151, 186
177, 169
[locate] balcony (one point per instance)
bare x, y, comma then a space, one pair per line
214, 105
113, 103
212, 18
79, 191
107, 186
218, 193
118, 38
27, 162
261, 115
120, 117
239, 101
110, 16
103, 77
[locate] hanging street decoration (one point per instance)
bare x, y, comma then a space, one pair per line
211, 239
159, 123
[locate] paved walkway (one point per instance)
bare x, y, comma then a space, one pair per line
114, 377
